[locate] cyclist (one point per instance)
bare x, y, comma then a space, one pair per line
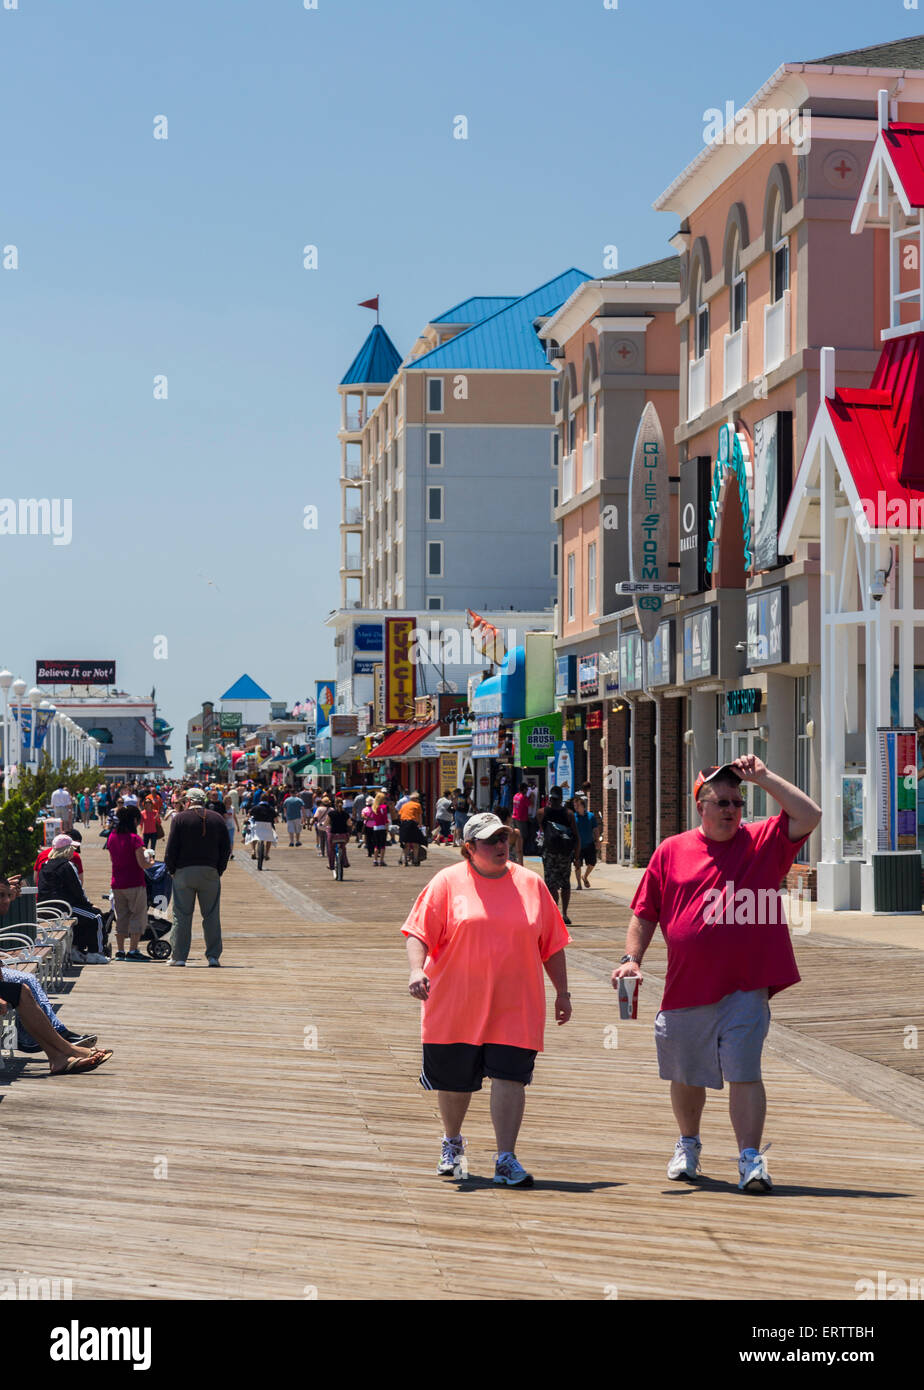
262, 820
339, 825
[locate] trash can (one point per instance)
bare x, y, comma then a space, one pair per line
897, 882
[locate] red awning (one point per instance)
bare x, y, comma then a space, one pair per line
905, 144
399, 744
881, 429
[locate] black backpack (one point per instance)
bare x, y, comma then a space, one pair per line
557, 838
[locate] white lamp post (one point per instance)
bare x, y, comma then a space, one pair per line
19, 689
6, 680
49, 709
35, 699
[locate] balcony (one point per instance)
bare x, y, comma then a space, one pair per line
567, 479
736, 360
352, 516
776, 332
351, 470
588, 463
354, 420
353, 564
698, 386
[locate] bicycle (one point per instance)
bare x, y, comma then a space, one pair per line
261, 851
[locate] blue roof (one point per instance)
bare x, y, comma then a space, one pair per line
506, 340
244, 689
377, 360
477, 308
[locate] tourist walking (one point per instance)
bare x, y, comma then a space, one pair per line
196, 856
378, 824
262, 820
712, 890
520, 815
410, 821
151, 827
339, 825
63, 807
460, 811
478, 939
589, 835
559, 849
129, 887
294, 812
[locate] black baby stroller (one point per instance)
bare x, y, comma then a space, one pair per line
159, 885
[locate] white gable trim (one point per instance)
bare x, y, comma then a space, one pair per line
880, 164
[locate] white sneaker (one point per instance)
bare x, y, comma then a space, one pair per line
452, 1158
175, 961
752, 1171
78, 957
96, 958
684, 1166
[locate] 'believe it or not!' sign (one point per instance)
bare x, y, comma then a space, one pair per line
75, 672
649, 531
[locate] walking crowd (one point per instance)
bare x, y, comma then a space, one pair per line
481, 935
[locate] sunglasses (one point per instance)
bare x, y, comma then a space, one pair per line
725, 802
498, 838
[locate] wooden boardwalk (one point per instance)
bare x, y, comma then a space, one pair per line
219, 1156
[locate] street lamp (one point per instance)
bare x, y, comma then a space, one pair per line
6, 680
35, 699
18, 688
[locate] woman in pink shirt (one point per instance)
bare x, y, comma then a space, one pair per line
478, 939
377, 821
130, 896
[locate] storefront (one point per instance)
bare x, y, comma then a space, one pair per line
496, 704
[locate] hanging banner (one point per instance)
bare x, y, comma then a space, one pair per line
649, 529
326, 700
42, 721
694, 519
772, 484
378, 694
400, 672
732, 468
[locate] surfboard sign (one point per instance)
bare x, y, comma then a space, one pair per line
649, 522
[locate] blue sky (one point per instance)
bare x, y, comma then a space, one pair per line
286, 126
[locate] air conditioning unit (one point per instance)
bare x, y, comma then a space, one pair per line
555, 352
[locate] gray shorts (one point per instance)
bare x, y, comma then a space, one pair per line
700, 1046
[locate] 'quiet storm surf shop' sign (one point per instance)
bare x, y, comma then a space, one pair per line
649, 528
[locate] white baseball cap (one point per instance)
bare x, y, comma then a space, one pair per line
481, 827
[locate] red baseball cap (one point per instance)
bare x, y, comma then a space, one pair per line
712, 774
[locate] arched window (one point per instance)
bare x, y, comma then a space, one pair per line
700, 315
739, 288
779, 271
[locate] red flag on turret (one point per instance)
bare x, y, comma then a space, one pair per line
370, 304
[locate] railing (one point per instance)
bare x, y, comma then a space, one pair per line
353, 563
588, 462
736, 360
354, 420
353, 516
353, 471
698, 386
567, 478
776, 332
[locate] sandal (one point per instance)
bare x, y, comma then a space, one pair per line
83, 1064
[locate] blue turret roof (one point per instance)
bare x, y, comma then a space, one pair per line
478, 307
377, 360
505, 340
245, 689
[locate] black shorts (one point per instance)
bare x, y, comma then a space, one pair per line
379, 835
463, 1066
408, 832
588, 855
10, 991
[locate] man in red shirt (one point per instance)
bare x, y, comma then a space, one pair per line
714, 891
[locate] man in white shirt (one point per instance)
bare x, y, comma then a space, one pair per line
63, 807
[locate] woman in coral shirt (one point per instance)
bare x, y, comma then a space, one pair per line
478, 939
